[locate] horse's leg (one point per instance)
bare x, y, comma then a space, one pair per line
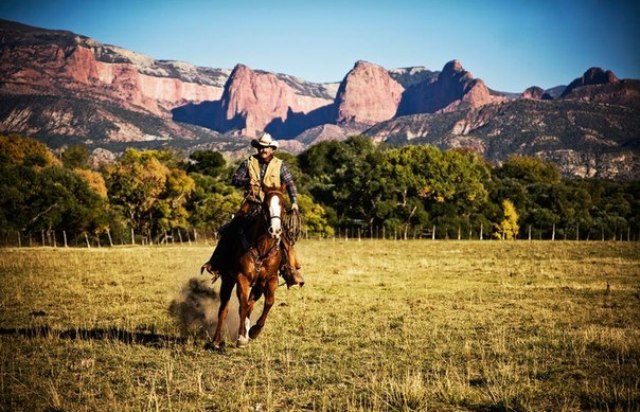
242, 291
269, 299
223, 309
256, 294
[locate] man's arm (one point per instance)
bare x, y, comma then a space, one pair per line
241, 176
286, 177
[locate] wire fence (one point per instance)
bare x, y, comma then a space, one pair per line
107, 238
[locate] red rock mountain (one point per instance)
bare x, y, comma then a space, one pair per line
593, 76
453, 88
36, 61
367, 95
252, 100
65, 88
599, 86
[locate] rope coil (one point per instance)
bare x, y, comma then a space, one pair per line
293, 223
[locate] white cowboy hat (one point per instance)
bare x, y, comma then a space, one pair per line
264, 141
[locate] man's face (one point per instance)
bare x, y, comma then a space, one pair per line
265, 152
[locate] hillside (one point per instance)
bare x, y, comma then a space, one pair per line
582, 138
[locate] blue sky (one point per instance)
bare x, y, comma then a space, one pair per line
511, 45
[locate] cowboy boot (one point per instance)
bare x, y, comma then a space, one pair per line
291, 269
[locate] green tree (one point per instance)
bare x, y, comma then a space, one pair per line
212, 203
315, 217
150, 190
36, 193
206, 162
76, 157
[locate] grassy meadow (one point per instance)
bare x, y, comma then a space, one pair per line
379, 326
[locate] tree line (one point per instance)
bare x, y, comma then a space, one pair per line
349, 187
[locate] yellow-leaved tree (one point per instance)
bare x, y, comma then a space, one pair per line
150, 190
509, 227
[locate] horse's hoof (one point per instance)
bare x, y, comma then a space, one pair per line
242, 341
255, 331
218, 347
206, 267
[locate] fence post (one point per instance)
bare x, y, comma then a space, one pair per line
86, 238
42, 234
458, 232
529, 232
64, 237
19, 240
188, 238
553, 232
133, 237
109, 236
481, 232
433, 233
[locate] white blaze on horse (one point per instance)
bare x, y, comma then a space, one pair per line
275, 216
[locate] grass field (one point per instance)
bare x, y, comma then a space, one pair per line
380, 326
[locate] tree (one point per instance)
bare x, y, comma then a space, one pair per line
36, 193
315, 217
76, 157
528, 169
150, 190
17, 150
206, 162
509, 225
212, 203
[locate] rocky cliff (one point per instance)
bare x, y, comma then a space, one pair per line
593, 76
454, 88
45, 62
253, 100
367, 95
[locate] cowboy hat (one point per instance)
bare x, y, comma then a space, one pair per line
264, 141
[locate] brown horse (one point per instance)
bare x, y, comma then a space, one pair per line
253, 269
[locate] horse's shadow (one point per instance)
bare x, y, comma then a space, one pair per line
149, 339
193, 311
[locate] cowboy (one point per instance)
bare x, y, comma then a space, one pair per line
260, 170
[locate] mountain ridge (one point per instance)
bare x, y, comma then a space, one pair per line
49, 75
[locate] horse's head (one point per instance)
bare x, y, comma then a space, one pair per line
274, 206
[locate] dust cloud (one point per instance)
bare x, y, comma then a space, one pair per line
195, 311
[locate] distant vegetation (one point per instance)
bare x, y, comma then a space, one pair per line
351, 187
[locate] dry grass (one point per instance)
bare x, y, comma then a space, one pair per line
380, 326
